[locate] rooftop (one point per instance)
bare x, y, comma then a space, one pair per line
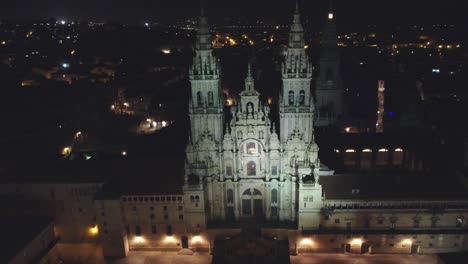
18, 232
392, 185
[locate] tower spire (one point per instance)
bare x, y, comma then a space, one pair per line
296, 34
202, 8
249, 81
331, 13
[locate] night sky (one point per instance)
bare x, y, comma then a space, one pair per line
136, 11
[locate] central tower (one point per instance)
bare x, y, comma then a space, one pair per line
296, 102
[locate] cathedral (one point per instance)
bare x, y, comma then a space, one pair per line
243, 168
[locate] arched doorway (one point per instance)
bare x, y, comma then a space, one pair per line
252, 203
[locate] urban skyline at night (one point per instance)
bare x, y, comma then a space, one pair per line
225, 132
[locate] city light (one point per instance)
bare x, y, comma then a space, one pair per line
72, 52
229, 102
330, 16
112, 107
166, 51
197, 239
399, 150
348, 129
164, 123
4, 43
94, 230
407, 242
366, 150
138, 239
383, 150
63, 22
124, 153
66, 151
350, 151
170, 239
306, 242
65, 65
356, 241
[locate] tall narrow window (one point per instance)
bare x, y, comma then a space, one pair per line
137, 231
228, 171
274, 196
291, 98
274, 170
230, 196
251, 168
210, 99
199, 99
153, 229
302, 97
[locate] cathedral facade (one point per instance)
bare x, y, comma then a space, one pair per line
243, 168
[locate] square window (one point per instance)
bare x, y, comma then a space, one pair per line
181, 217
181, 208
166, 216
165, 208
337, 220
153, 229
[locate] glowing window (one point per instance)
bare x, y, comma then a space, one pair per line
383, 150
367, 150
398, 150
350, 151
251, 149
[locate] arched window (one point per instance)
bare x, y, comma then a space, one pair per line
350, 157
199, 99
274, 196
230, 196
251, 149
302, 97
210, 99
397, 157
291, 97
251, 168
382, 157
366, 159
250, 109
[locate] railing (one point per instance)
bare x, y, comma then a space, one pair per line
390, 231
394, 204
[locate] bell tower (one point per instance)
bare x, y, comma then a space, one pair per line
329, 92
206, 104
296, 102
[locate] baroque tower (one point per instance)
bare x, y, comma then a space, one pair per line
206, 124
296, 102
329, 91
